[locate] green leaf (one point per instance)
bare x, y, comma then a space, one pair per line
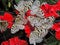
17, 1
51, 1
53, 43
41, 1
51, 39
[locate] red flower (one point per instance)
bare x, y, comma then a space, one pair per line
45, 7
7, 17
56, 26
17, 41
14, 41
22, 42
28, 28
49, 10
28, 13
58, 5
4, 43
57, 35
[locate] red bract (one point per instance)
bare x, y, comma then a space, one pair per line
14, 41
58, 5
45, 7
28, 28
5, 43
56, 26
57, 35
28, 13
50, 10
7, 17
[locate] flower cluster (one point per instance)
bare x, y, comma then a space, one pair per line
32, 19
56, 27
6, 21
51, 10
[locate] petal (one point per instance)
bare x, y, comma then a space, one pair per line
8, 17
5, 43
57, 35
28, 13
